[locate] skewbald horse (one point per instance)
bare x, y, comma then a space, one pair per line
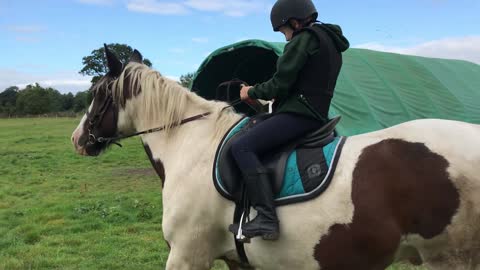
410, 192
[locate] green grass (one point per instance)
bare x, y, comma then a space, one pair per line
59, 210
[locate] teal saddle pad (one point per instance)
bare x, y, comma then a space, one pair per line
308, 171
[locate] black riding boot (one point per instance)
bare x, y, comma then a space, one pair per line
260, 194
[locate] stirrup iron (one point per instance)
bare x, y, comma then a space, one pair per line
240, 237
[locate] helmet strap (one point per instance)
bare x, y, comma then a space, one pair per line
290, 24
307, 22
303, 23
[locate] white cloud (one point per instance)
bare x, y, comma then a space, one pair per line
27, 39
62, 84
156, 7
235, 13
206, 5
26, 33
461, 48
175, 78
26, 29
62, 81
97, 2
234, 8
241, 39
200, 40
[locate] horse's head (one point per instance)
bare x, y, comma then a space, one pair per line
102, 117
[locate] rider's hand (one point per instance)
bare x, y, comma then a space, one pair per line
244, 92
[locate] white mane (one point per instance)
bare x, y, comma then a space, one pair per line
164, 102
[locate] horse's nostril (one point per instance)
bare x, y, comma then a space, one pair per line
75, 140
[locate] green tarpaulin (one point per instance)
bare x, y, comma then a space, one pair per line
375, 90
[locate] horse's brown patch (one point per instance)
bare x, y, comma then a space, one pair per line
398, 188
157, 164
104, 116
130, 90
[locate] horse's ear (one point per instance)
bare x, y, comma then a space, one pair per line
114, 65
136, 57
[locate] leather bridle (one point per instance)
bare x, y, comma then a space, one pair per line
100, 114
97, 118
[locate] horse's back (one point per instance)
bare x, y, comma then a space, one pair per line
409, 187
457, 142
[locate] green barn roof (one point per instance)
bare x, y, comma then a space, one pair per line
375, 90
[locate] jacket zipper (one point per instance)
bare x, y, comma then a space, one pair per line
307, 104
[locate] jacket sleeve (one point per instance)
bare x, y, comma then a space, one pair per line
289, 65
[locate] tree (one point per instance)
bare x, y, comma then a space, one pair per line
55, 100
186, 80
96, 65
67, 102
8, 99
9, 95
33, 100
80, 101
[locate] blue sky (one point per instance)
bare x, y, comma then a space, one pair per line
44, 40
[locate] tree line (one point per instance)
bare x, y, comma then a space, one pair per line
36, 100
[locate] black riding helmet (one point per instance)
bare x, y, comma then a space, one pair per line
284, 10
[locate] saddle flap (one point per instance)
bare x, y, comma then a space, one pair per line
276, 165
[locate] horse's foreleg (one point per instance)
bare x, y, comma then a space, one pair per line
235, 266
187, 259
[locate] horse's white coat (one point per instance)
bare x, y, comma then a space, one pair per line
79, 131
196, 217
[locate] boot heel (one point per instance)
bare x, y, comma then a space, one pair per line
270, 236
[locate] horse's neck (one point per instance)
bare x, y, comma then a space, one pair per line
190, 146
187, 155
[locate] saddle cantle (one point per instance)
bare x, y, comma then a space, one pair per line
300, 170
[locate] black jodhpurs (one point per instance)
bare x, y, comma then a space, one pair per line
272, 133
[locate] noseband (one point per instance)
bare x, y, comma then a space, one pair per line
98, 116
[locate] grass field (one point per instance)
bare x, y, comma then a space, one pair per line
59, 210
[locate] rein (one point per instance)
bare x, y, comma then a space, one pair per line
153, 130
109, 140
158, 129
